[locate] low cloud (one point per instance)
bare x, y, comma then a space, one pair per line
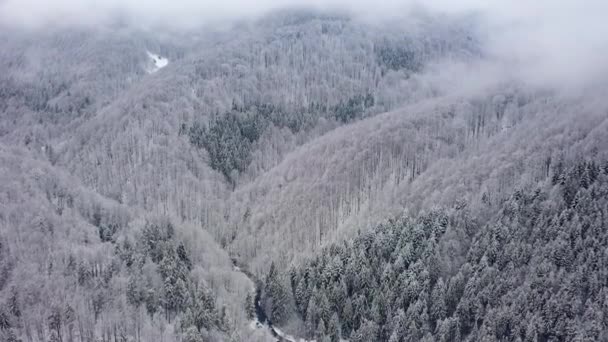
549, 41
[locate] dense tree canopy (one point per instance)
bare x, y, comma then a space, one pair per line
245, 177
534, 272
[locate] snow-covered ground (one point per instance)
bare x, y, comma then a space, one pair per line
255, 324
289, 337
158, 62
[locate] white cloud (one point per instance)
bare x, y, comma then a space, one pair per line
549, 40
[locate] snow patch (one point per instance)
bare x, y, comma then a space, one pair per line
288, 337
158, 62
255, 324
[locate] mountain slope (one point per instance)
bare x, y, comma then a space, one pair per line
129, 197
473, 149
532, 271
76, 264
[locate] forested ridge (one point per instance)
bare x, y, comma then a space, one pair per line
474, 149
364, 180
533, 272
79, 266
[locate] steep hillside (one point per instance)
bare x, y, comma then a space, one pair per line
533, 271
143, 149
441, 152
78, 265
54, 81
155, 183
119, 183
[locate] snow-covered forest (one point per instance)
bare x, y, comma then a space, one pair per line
342, 176
533, 271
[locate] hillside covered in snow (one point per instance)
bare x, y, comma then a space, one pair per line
303, 174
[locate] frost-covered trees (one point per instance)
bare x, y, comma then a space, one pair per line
229, 149
122, 192
517, 280
336, 76
76, 284
276, 296
250, 305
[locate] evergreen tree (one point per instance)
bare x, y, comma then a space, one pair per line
311, 318
321, 331
276, 296
250, 305
333, 329
438, 310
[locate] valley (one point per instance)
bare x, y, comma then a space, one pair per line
302, 174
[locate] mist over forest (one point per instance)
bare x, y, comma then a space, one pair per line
399, 171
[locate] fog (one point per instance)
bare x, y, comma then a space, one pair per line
558, 42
